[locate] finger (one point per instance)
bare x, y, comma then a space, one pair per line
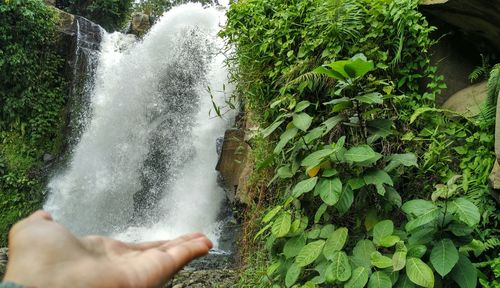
164, 243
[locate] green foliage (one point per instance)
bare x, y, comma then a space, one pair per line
356, 140
31, 104
110, 14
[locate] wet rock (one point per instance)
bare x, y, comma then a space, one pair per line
47, 157
140, 24
189, 278
468, 101
476, 18
233, 160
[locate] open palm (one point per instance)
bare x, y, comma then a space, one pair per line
43, 253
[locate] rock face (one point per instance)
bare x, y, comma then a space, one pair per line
140, 24
223, 278
468, 101
235, 166
476, 18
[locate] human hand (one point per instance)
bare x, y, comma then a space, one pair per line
42, 253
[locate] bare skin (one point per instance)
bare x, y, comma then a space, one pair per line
42, 253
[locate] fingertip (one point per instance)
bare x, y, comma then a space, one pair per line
41, 214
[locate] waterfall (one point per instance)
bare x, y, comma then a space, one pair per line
144, 165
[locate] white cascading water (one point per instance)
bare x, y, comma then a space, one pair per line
144, 167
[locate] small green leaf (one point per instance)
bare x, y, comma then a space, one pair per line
330, 123
301, 106
292, 275
270, 215
417, 251
269, 130
444, 256
419, 273
464, 273
314, 134
281, 225
288, 135
339, 269
359, 278
382, 229
389, 241
285, 172
380, 261
396, 160
302, 121
371, 98
378, 178
361, 153
466, 211
335, 242
399, 257
329, 173
319, 213
329, 190
315, 158
418, 207
379, 279
309, 253
304, 186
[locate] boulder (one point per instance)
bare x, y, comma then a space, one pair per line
140, 24
475, 18
468, 101
234, 165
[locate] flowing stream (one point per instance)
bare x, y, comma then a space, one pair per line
144, 165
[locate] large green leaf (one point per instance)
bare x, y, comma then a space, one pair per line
315, 158
329, 190
302, 121
371, 98
418, 207
330, 123
389, 241
465, 210
345, 201
281, 225
363, 251
427, 217
380, 279
419, 273
359, 278
358, 67
382, 229
292, 275
293, 246
396, 160
339, 269
309, 253
361, 153
464, 273
304, 186
380, 261
378, 178
399, 257
404, 282
288, 135
335, 242
444, 256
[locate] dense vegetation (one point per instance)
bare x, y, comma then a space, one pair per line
110, 14
31, 104
371, 183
